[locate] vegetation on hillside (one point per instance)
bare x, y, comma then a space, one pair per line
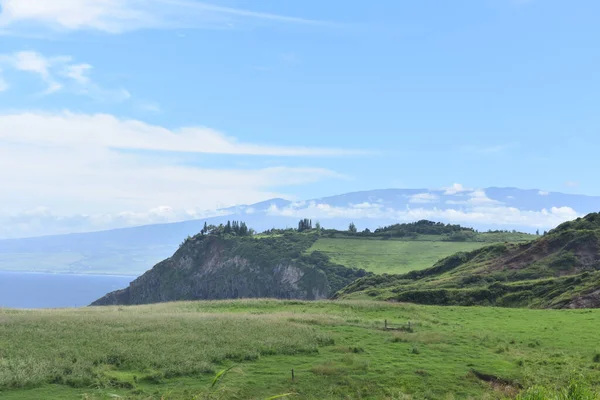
232, 261
336, 349
225, 265
422, 230
560, 269
389, 256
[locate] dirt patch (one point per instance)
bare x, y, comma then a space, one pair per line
590, 300
496, 381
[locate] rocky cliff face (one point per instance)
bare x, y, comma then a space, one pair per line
210, 267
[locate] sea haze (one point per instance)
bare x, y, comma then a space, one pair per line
36, 290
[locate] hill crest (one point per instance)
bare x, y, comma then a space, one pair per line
559, 270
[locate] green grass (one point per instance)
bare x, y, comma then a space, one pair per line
558, 270
338, 350
389, 256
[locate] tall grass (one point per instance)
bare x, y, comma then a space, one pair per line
337, 349
577, 389
77, 348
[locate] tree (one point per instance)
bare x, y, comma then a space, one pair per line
304, 225
537, 232
204, 230
352, 228
244, 229
318, 226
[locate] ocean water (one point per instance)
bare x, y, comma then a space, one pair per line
35, 290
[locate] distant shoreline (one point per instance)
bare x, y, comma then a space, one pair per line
67, 273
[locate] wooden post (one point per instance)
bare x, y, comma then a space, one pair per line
292, 374
385, 324
408, 324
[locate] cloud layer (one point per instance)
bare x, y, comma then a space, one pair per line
117, 16
486, 215
107, 131
75, 163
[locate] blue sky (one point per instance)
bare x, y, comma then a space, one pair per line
123, 106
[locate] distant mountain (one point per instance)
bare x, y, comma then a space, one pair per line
131, 251
559, 270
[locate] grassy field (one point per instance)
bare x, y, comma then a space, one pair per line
338, 350
389, 256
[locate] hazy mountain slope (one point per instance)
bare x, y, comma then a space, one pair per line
559, 270
131, 251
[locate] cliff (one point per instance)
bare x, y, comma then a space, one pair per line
225, 267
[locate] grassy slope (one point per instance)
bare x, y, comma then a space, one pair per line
337, 349
400, 256
560, 269
389, 256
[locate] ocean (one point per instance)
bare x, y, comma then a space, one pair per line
38, 290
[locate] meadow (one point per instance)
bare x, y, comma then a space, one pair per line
389, 256
337, 349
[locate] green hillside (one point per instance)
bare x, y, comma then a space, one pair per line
389, 256
560, 269
338, 350
401, 248
398, 256
231, 261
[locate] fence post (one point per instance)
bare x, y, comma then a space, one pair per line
385, 322
408, 324
292, 374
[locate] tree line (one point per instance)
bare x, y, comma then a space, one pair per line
412, 229
235, 228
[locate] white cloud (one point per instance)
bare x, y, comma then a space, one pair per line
107, 131
78, 72
475, 198
116, 16
543, 193
32, 62
482, 215
479, 198
149, 107
454, 189
42, 221
3, 84
423, 198
571, 184
59, 72
71, 164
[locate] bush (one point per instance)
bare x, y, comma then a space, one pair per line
576, 390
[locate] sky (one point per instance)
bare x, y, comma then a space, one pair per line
146, 107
